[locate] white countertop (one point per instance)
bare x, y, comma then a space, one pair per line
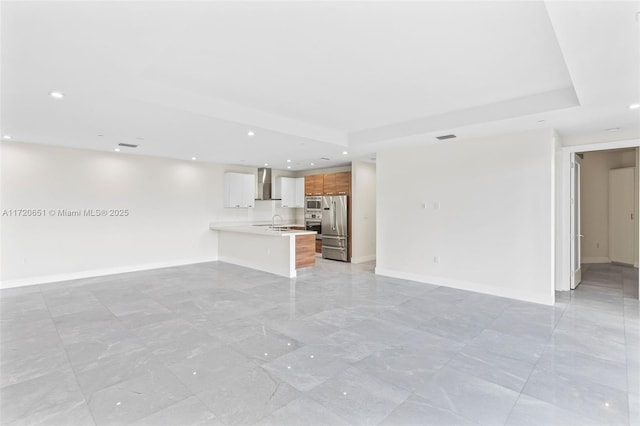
257, 228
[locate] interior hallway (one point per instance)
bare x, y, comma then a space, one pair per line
220, 344
595, 276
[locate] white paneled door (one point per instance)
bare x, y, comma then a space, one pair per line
621, 214
576, 236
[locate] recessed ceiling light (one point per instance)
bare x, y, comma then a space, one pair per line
116, 149
7, 137
250, 133
313, 164
57, 95
634, 106
540, 121
613, 129
266, 164
100, 135
288, 167
344, 152
288, 161
193, 158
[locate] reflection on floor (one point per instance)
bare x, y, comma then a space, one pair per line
219, 344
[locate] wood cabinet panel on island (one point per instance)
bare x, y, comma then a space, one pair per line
305, 251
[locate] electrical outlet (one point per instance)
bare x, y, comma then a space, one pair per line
436, 206
436, 259
597, 245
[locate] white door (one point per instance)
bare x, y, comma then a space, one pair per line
576, 237
621, 227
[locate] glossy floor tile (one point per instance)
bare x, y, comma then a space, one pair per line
218, 344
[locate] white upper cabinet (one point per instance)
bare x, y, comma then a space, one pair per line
291, 192
300, 192
239, 190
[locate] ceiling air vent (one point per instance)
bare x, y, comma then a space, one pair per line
128, 145
445, 137
325, 158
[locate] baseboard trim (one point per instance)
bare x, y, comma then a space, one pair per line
470, 286
363, 259
46, 279
602, 259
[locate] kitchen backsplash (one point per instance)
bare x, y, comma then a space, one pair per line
263, 211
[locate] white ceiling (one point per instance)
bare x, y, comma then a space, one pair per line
313, 79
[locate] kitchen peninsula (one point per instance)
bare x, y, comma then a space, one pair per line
280, 250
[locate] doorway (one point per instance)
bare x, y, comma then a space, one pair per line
602, 213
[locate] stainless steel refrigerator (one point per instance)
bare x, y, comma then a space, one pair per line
335, 228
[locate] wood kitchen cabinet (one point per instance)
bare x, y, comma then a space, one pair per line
313, 185
343, 183
329, 184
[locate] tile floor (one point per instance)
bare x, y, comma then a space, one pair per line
219, 344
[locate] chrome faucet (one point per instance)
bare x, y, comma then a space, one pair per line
273, 220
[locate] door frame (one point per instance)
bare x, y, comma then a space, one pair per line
563, 259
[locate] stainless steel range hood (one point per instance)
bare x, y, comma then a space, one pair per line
264, 184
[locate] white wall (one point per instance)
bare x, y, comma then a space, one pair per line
363, 213
494, 230
171, 203
560, 223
